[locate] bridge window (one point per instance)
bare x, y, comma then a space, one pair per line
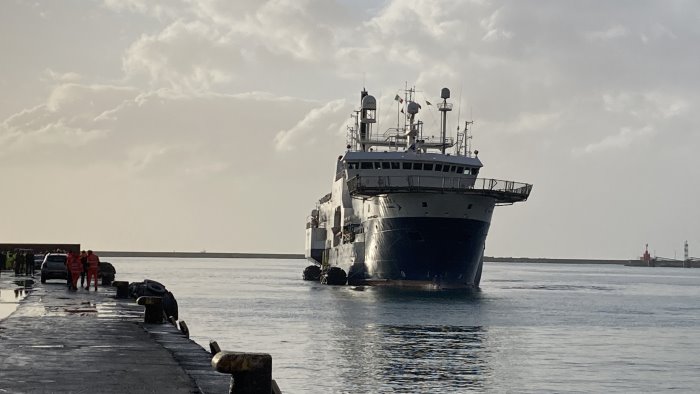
445, 168
453, 169
406, 166
395, 165
353, 165
366, 165
386, 165
417, 166
377, 165
460, 170
428, 166
438, 167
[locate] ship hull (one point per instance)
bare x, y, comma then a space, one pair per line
445, 252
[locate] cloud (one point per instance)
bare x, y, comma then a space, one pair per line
491, 25
185, 56
646, 105
611, 33
160, 9
68, 118
622, 140
527, 122
318, 120
62, 77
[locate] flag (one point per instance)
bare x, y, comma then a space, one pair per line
427, 102
402, 111
397, 98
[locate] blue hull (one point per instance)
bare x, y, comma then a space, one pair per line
445, 251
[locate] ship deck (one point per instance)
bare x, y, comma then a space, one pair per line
504, 192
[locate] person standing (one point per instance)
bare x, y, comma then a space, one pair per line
18, 258
84, 264
93, 267
3, 260
29, 262
75, 268
69, 275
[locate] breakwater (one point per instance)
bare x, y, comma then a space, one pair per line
286, 256
554, 261
200, 255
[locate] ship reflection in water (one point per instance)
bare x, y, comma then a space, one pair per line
442, 355
425, 357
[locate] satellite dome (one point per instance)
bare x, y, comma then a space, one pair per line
412, 107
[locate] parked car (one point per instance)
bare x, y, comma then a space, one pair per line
38, 260
106, 274
54, 267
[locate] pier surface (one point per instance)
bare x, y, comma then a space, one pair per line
58, 341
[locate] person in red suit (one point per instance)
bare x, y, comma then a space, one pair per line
93, 268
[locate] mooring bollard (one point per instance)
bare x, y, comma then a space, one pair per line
183, 328
251, 373
154, 309
214, 347
122, 288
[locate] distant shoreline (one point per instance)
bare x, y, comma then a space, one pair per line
201, 255
539, 260
226, 255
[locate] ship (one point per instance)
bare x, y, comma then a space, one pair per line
406, 206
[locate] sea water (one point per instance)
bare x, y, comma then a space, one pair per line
532, 328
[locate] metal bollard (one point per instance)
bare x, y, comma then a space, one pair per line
183, 328
154, 309
214, 347
251, 373
122, 288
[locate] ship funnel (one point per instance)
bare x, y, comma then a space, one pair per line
369, 109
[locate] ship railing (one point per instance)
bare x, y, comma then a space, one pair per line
505, 192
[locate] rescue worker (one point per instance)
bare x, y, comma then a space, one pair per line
93, 268
75, 268
84, 263
69, 276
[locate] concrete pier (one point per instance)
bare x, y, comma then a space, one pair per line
58, 341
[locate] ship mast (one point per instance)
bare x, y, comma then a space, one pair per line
444, 107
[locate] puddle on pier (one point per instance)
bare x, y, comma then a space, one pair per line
12, 292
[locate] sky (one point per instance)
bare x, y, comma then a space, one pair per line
215, 125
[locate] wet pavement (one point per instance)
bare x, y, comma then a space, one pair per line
12, 291
60, 341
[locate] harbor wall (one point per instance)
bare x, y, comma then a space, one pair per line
225, 255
